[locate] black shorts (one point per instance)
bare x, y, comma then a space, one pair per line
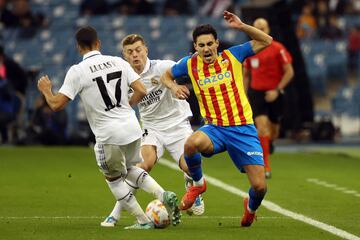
273, 110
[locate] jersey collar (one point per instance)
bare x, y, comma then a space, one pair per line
147, 66
91, 54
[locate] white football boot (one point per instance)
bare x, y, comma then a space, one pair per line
110, 221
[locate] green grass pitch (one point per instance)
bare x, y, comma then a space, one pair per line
58, 193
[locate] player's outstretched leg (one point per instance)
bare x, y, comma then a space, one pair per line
128, 201
257, 193
139, 178
143, 180
170, 202
114, 216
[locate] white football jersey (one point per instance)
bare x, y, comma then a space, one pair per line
103, 83
159, 110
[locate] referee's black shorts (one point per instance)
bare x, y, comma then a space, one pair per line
274, 110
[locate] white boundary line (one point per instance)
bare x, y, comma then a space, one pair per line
272, 206
333, 186
102, 217
51, 217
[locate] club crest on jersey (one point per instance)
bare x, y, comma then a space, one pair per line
225, 62
154, 82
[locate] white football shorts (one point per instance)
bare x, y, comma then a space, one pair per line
114, 160
172, 139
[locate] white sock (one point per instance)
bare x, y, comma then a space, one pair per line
116, 212
132, 206
131, 186
200, 182
140, 178
127, 200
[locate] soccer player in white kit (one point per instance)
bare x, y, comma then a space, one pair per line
103, 83
164, 118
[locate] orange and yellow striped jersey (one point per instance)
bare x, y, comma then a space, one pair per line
219, 86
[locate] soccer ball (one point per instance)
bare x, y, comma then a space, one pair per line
158, 214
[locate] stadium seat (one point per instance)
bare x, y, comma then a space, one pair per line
354, 111
342, 102
336, 59
317, 71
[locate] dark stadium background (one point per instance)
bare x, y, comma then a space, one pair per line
322, 103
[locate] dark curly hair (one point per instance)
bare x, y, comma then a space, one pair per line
204, 29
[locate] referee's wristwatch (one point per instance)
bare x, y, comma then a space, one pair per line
281, 91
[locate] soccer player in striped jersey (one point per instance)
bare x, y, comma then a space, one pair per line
164, 118
103, 82
218, 85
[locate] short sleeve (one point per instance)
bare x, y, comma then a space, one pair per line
180, 68
164, 65
242, 51
71, 86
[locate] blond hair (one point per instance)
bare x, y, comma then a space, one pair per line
131, 39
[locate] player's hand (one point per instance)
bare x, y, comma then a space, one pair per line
180, 92
44, 84
271, 95
232, 20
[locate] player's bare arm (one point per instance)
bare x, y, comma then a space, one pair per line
56, 102
179, 91
139, 92
272, 95
260, 40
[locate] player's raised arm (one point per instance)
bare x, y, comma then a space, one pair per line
260, 40
139, 92
56, 102
179, 91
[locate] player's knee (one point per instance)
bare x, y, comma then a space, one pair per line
190, 147
262, 130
